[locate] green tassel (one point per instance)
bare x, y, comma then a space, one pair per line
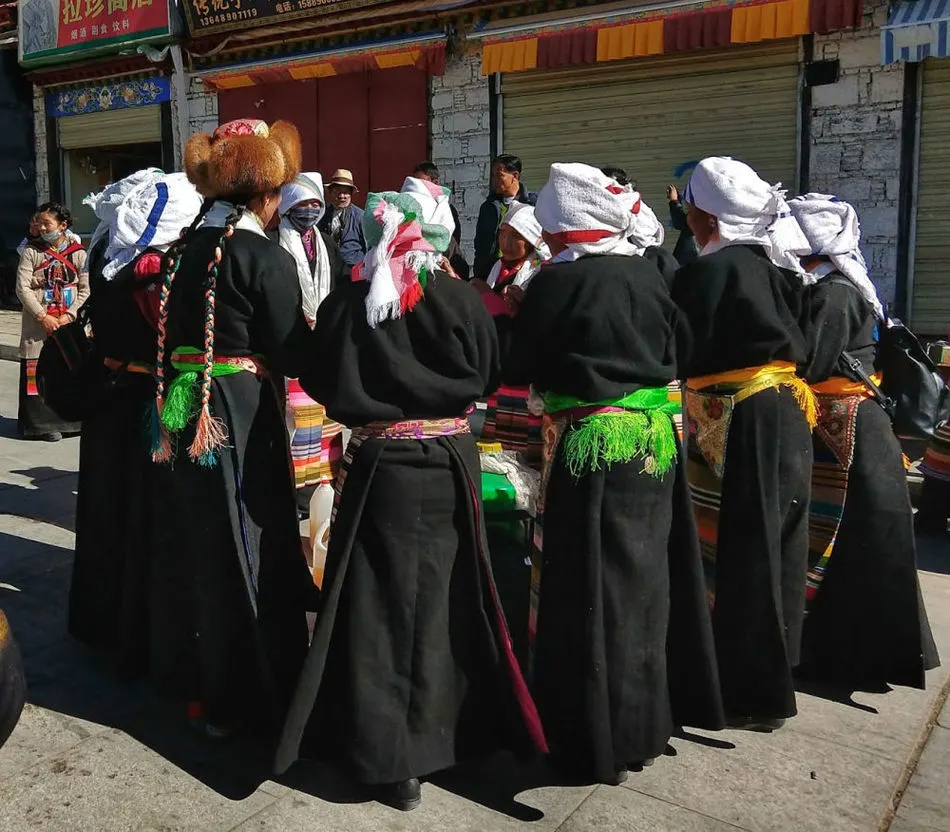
181, 403
423, 277
621, 437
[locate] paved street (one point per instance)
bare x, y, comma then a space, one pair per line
94, 753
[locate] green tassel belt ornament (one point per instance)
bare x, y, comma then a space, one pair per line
182, 400
636, 426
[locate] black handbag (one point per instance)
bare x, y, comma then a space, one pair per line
912, 391
69, 370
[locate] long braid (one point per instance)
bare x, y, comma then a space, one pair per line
161, 441
211, 433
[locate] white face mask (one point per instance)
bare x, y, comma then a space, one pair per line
50, 237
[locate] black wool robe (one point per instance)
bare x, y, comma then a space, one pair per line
867, 625
108, 605
740, 311
232, 592
623, 648
410, 669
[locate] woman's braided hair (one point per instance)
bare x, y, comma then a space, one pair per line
161, 441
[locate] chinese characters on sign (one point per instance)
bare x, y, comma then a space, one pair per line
51, 26
206, 16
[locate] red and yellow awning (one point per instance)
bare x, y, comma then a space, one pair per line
427, 56
655, 32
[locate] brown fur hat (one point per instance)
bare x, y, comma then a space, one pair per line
243, 159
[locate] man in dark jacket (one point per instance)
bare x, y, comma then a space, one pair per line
343, 220
686, 250
506, 187
430, 173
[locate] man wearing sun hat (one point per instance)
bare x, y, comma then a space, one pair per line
343, 220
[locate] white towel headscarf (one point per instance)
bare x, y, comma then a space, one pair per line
833, 231
521, 218
314, 285
105, 203
748, 211
592, 214
152, 215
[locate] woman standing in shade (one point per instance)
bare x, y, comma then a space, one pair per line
140, 217
51, 285
865, 622
411, 668
748, 425
232, 589
623, 646
316, 443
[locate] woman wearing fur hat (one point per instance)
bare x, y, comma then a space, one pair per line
411, 667
140, 217
865, 623
622, 639
749, 418
235, 586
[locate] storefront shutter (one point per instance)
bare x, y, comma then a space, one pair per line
654, 117
133, 125
930, 309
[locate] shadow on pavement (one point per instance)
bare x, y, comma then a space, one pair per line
52, 499
71, 679
933, 553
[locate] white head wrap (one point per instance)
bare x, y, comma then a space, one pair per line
315, 285
593, 214
435, 209
748, 211
105, 203
152, 215
832, 229
521, 218
305, 187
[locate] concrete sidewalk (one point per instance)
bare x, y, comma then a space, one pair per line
9, 335
93, 753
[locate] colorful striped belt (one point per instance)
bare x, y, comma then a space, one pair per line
188, 359
414, 429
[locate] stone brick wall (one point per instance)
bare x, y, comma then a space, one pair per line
202, 114
39, 146
856, 138
461, 138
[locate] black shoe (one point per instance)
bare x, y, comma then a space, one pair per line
642, 764
619, 778
404, 796
758, 724
55, 436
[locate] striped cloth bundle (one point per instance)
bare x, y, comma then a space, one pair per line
316, 444
509, 422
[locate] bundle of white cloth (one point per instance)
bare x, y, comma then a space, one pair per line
833, 231
106, 202
152, 215
315, 284
748, 211
521, 218
591, 213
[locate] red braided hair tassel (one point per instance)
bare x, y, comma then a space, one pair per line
211, 433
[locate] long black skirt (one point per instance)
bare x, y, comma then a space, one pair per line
229, 585
757, 530
867, 625
35, 418
410, 670
624, 643
108, 599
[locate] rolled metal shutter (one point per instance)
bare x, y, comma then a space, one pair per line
134, 125
655, 116
930, 309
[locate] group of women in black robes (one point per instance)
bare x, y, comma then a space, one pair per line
657, 608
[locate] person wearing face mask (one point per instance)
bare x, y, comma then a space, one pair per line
232, 590
316, 444
51, 285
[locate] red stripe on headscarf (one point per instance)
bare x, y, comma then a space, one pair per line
636, 207
614, 189
591, 235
